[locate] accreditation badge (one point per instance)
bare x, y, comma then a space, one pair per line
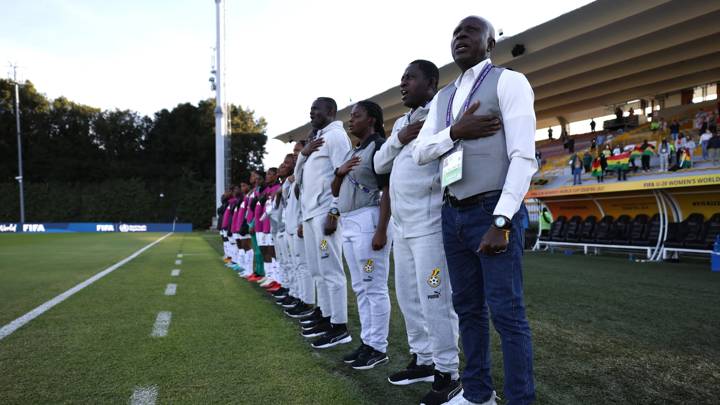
452, 166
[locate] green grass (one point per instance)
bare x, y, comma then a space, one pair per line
605, 331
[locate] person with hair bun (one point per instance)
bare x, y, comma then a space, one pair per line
362, 202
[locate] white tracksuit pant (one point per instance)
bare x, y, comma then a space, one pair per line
303, 278
369, 273
282, 250
324, 259
424, 294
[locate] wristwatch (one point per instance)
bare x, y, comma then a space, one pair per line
334, 212
501, 222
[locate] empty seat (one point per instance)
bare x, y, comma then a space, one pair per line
587, 229
557, 228
602, 229
687, 230
706, 239
637, 229
572, 229
651, 232
620, 230
694, 226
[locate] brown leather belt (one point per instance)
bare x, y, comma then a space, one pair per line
470, 201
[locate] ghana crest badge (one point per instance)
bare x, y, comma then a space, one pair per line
434, 279
324, 254
369, 266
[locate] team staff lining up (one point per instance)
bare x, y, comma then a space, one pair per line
445, 190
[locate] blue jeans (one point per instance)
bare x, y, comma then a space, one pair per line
577, 175
479, 283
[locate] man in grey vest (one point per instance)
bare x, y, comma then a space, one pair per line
484, 180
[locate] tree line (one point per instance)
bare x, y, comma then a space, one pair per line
83, 163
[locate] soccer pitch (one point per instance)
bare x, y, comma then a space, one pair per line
605, 330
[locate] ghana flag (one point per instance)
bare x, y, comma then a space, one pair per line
597, 168
619, 161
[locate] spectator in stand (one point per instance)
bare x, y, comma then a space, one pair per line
679, 145
714, 148
703, 126
592, 125
648, 151
704, 139
587, 161
576, 165
618, 149
672, 159
550, 133
598, 167
618, 113
538, 157
700, 117
593, 143
654, 126
607, 152
631, 112
675, 130
600, 139
713, 122
664, 153
690, 146
571, 144
663, 125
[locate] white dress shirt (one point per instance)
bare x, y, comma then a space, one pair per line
516, 99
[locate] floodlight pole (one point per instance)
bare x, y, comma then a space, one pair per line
220, 123
19, 145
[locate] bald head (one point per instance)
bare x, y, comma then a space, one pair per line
473, 40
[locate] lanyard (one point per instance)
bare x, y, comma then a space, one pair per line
358, 184
483, 73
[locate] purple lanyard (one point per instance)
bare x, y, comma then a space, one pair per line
483, 73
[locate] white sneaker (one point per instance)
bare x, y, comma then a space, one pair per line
459, 399
267, 282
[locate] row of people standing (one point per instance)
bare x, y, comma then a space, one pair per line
446, 191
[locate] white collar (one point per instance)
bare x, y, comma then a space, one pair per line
472, 73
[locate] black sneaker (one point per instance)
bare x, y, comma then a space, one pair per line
352, 356
315, 323
337, 335
320, 329
369, 359
317, 314
300, 310
280, 293
291, 303
444, 388
413, 373
284, 301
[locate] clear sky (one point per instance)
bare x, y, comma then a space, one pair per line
281, 54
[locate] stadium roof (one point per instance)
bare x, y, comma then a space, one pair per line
604, 53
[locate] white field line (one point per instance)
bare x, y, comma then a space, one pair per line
175, 272
11, 327
162, 323
170, 289
144, 395
179, 255
178, 262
